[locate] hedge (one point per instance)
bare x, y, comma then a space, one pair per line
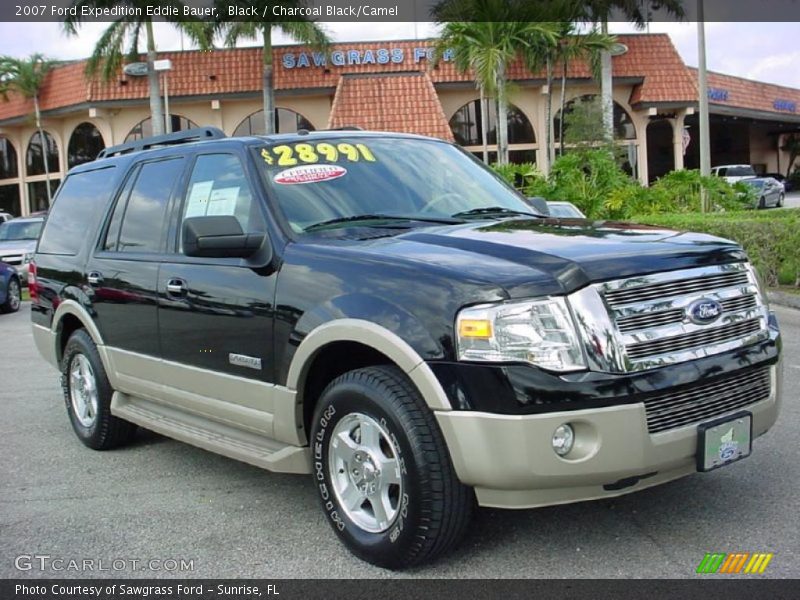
771, 238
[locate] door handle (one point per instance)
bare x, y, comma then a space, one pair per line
176, 287
94, 278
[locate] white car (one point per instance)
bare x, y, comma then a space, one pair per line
18, 239
734, 173
4, 216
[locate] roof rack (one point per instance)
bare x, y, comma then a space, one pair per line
170, 139
345, 128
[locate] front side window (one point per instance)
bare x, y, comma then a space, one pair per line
143, 216
218, 186
326, 179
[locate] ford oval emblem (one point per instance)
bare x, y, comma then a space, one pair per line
704, 311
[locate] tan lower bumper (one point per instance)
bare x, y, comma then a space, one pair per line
510, 462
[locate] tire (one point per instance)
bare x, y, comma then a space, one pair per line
762, 203
427, 509
12, 302
89, 407
780, 201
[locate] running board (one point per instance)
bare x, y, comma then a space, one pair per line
209, 435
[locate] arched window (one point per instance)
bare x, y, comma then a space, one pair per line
8, 159
624, 128
286, 121
466, 127
34, 162
144, 128
85, 144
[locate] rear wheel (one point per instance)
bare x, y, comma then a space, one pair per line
12, 302
87, 394
780, 201
383, 471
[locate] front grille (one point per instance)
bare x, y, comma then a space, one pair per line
677, 287
707, 400
652, 320
678, 343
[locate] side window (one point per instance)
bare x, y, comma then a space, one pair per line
218, 186
80, 204
112, 235
144, 219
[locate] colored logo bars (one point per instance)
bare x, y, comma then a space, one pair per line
736, 562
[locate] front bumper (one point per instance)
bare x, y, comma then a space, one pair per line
509, 460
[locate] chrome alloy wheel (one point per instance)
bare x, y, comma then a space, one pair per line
83, 390
13, 295
365, 472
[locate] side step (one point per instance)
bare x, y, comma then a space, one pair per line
216, 437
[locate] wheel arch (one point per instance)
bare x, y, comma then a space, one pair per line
362, 343
69, 317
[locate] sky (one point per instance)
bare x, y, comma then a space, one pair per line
763, 51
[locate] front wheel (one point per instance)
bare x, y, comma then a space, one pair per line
12, 301
383, 472
780, 200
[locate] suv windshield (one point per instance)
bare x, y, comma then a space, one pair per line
337, 181
740, 172
22, 230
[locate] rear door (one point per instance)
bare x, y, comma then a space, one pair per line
122, 272
215, 314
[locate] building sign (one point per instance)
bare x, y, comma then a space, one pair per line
370, 56
785, 105
718, 94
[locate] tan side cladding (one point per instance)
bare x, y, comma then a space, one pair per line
379, 338
210, 435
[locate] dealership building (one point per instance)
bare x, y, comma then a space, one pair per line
393, 86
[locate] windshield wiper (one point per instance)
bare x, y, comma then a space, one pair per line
494, 211
381, 217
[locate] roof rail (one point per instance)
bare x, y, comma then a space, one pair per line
345, 128
170, 139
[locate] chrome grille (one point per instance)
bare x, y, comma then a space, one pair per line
651, 325
707, 400
678, 287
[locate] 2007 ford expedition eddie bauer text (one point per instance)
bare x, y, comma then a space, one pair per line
382, 312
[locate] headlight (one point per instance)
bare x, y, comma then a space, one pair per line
539, 332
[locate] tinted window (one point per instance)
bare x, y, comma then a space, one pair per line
143, 221
76, 210
741, 172
218, 186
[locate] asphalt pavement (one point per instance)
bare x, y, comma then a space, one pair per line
167, 501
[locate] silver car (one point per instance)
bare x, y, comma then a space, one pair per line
18, 239
769, 191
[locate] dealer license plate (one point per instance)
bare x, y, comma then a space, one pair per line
724, 441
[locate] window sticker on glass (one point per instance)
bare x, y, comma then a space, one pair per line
197, 203
309, 174
310, 154
223, 201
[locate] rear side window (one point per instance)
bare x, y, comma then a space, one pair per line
76, 210
142, 217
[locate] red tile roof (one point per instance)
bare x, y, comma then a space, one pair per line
650, 58
404, 102
746, 93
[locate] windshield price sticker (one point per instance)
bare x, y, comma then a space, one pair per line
309, 154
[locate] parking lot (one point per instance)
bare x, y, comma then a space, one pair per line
162, 500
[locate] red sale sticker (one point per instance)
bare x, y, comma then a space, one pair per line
309, 174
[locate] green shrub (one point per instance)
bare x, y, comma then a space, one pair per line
770, 238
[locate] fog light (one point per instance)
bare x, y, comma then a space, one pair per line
563, 438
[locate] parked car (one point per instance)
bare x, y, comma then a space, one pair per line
564, 210
18, 242
769, 191
4, 216
9, 289
787, 183
383, 313
734, 173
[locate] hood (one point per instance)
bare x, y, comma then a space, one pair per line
16, 247
555, 256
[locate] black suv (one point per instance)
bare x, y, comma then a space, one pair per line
384, 313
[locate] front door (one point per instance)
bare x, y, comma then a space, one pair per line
215, 314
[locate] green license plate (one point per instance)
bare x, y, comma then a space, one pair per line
724, 441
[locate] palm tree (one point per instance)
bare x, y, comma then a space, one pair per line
26, 77
634, 11
305, 31
485, 36
121, 40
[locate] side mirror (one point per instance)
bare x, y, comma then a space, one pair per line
219, 237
